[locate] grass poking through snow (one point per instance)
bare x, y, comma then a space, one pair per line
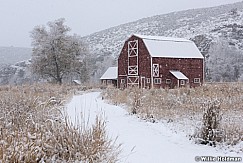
33, 128
185, 109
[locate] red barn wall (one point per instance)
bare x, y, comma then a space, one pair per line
143, 62
123, 66
192, 68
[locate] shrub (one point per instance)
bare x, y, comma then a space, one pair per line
210, 132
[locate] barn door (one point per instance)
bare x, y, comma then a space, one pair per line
143, 82
132, 81
133, 78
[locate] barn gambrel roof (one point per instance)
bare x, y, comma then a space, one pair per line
111, 73
169, 47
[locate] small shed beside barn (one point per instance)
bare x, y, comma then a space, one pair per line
110, 77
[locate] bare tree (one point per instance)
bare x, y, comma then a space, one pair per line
57, 54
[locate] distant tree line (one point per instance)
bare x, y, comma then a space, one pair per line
225, 62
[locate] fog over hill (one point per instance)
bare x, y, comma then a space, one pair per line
217, 31
11, 55
14, 65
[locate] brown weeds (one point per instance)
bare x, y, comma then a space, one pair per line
184, 106
33, 128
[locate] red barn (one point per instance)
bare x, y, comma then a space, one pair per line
160, 62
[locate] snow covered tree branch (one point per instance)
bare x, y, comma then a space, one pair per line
57, 54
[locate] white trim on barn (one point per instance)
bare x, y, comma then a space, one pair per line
133, 70
157, 80
133, 48
132, 52
133, 81
196, 80
155, 70
151, 72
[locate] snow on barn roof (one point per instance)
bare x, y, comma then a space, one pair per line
179, 75
159, 46
111, 73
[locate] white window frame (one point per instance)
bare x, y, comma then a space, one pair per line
122, 81
168, 81
132, 70
133, 48
155, 70
182, 82
196, 80
109, 81
157, 80
104, 81
148, 80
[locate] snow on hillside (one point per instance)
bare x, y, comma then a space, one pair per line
18, 73
12, 55
142, 141
14, 65
208, 23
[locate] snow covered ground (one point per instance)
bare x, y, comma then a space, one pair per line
142, 141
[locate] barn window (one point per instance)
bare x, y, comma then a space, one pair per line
132, 70
155, 70
196, 80
108, 81
122, 81
167, 81
148, 80
133, 48
157, 81
182, 82
104, 81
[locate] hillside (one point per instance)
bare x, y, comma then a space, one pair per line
14, 65
203, 26
11, 55
222, 21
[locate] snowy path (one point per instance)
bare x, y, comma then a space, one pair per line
142, 142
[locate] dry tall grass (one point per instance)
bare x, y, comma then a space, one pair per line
186, 106
33, 128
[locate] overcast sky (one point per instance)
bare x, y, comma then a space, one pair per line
19, 17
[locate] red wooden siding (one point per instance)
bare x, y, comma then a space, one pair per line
143, 63
191, 67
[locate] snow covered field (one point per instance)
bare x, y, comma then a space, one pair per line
142, 141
